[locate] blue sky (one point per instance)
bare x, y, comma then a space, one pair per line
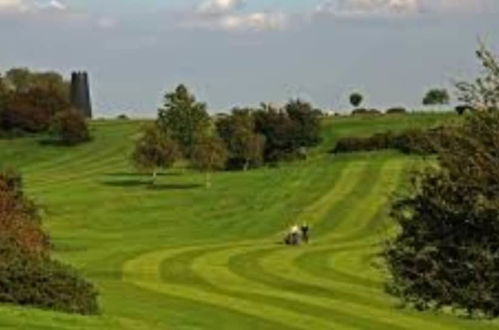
236, 52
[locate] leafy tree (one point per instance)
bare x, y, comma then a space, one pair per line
22, 80
483, 93
183, 118
154, 151
436, 97
356, 99
307, 125
208, 155
70, 127
246, 148
447, 252
32, 110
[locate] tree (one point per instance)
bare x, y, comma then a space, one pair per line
483, 93
154, 151
436, 97
307, 124
208, 155
356, 99
183, 118
246, 148
70, 127
447, 251
22, 80
32, 110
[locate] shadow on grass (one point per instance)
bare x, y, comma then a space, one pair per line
138, 174
147, 184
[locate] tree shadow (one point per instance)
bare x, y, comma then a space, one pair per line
139, 174
129, 183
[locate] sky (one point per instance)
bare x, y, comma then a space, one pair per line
243, 52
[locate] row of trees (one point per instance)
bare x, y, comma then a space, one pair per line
246, 138
36, 102
447, 251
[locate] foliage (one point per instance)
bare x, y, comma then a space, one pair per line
22, 80
483, 93
246, 148
396, 110
447, 253
27, 275
462, 109
183, 118
436, 97
363, 111
208, 155
41, 282
411, 141
154, 150
32, 110
356, 99
288, 132
70, 127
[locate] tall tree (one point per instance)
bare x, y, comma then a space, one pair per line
307, 125
356, 99
183, 118
447, 251
436, 96
483, 93
154, 151
208, 155
245, 147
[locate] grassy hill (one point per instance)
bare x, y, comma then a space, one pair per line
183, 257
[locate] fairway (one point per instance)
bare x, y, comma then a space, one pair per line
181, 256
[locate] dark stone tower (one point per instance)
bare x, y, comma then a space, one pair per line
80, 93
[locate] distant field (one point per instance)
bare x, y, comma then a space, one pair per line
183, 257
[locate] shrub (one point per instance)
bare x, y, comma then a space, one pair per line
446, 253
44, 283
396, 110
27, 275
70, 127
462, 109
362, 111
32, 110
413, 141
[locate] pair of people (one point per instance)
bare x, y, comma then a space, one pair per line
297, 234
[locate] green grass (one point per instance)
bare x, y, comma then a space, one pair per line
184, 257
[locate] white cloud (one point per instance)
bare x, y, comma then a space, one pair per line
402, 7
229, 15
106, 22
215, 7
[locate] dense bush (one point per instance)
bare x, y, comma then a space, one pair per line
396, 110
32, 110
27, 275
362, 111
245, 146
462, 109
447, 252
44, 283
288, 132
413, 141
69, 127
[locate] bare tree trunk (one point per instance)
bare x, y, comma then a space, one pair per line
208, 180
154, 176
246, 165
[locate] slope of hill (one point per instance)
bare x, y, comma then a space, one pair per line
183, 257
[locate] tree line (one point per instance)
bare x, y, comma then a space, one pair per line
246, 138
38, 102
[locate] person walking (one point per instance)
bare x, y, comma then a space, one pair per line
305, 230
